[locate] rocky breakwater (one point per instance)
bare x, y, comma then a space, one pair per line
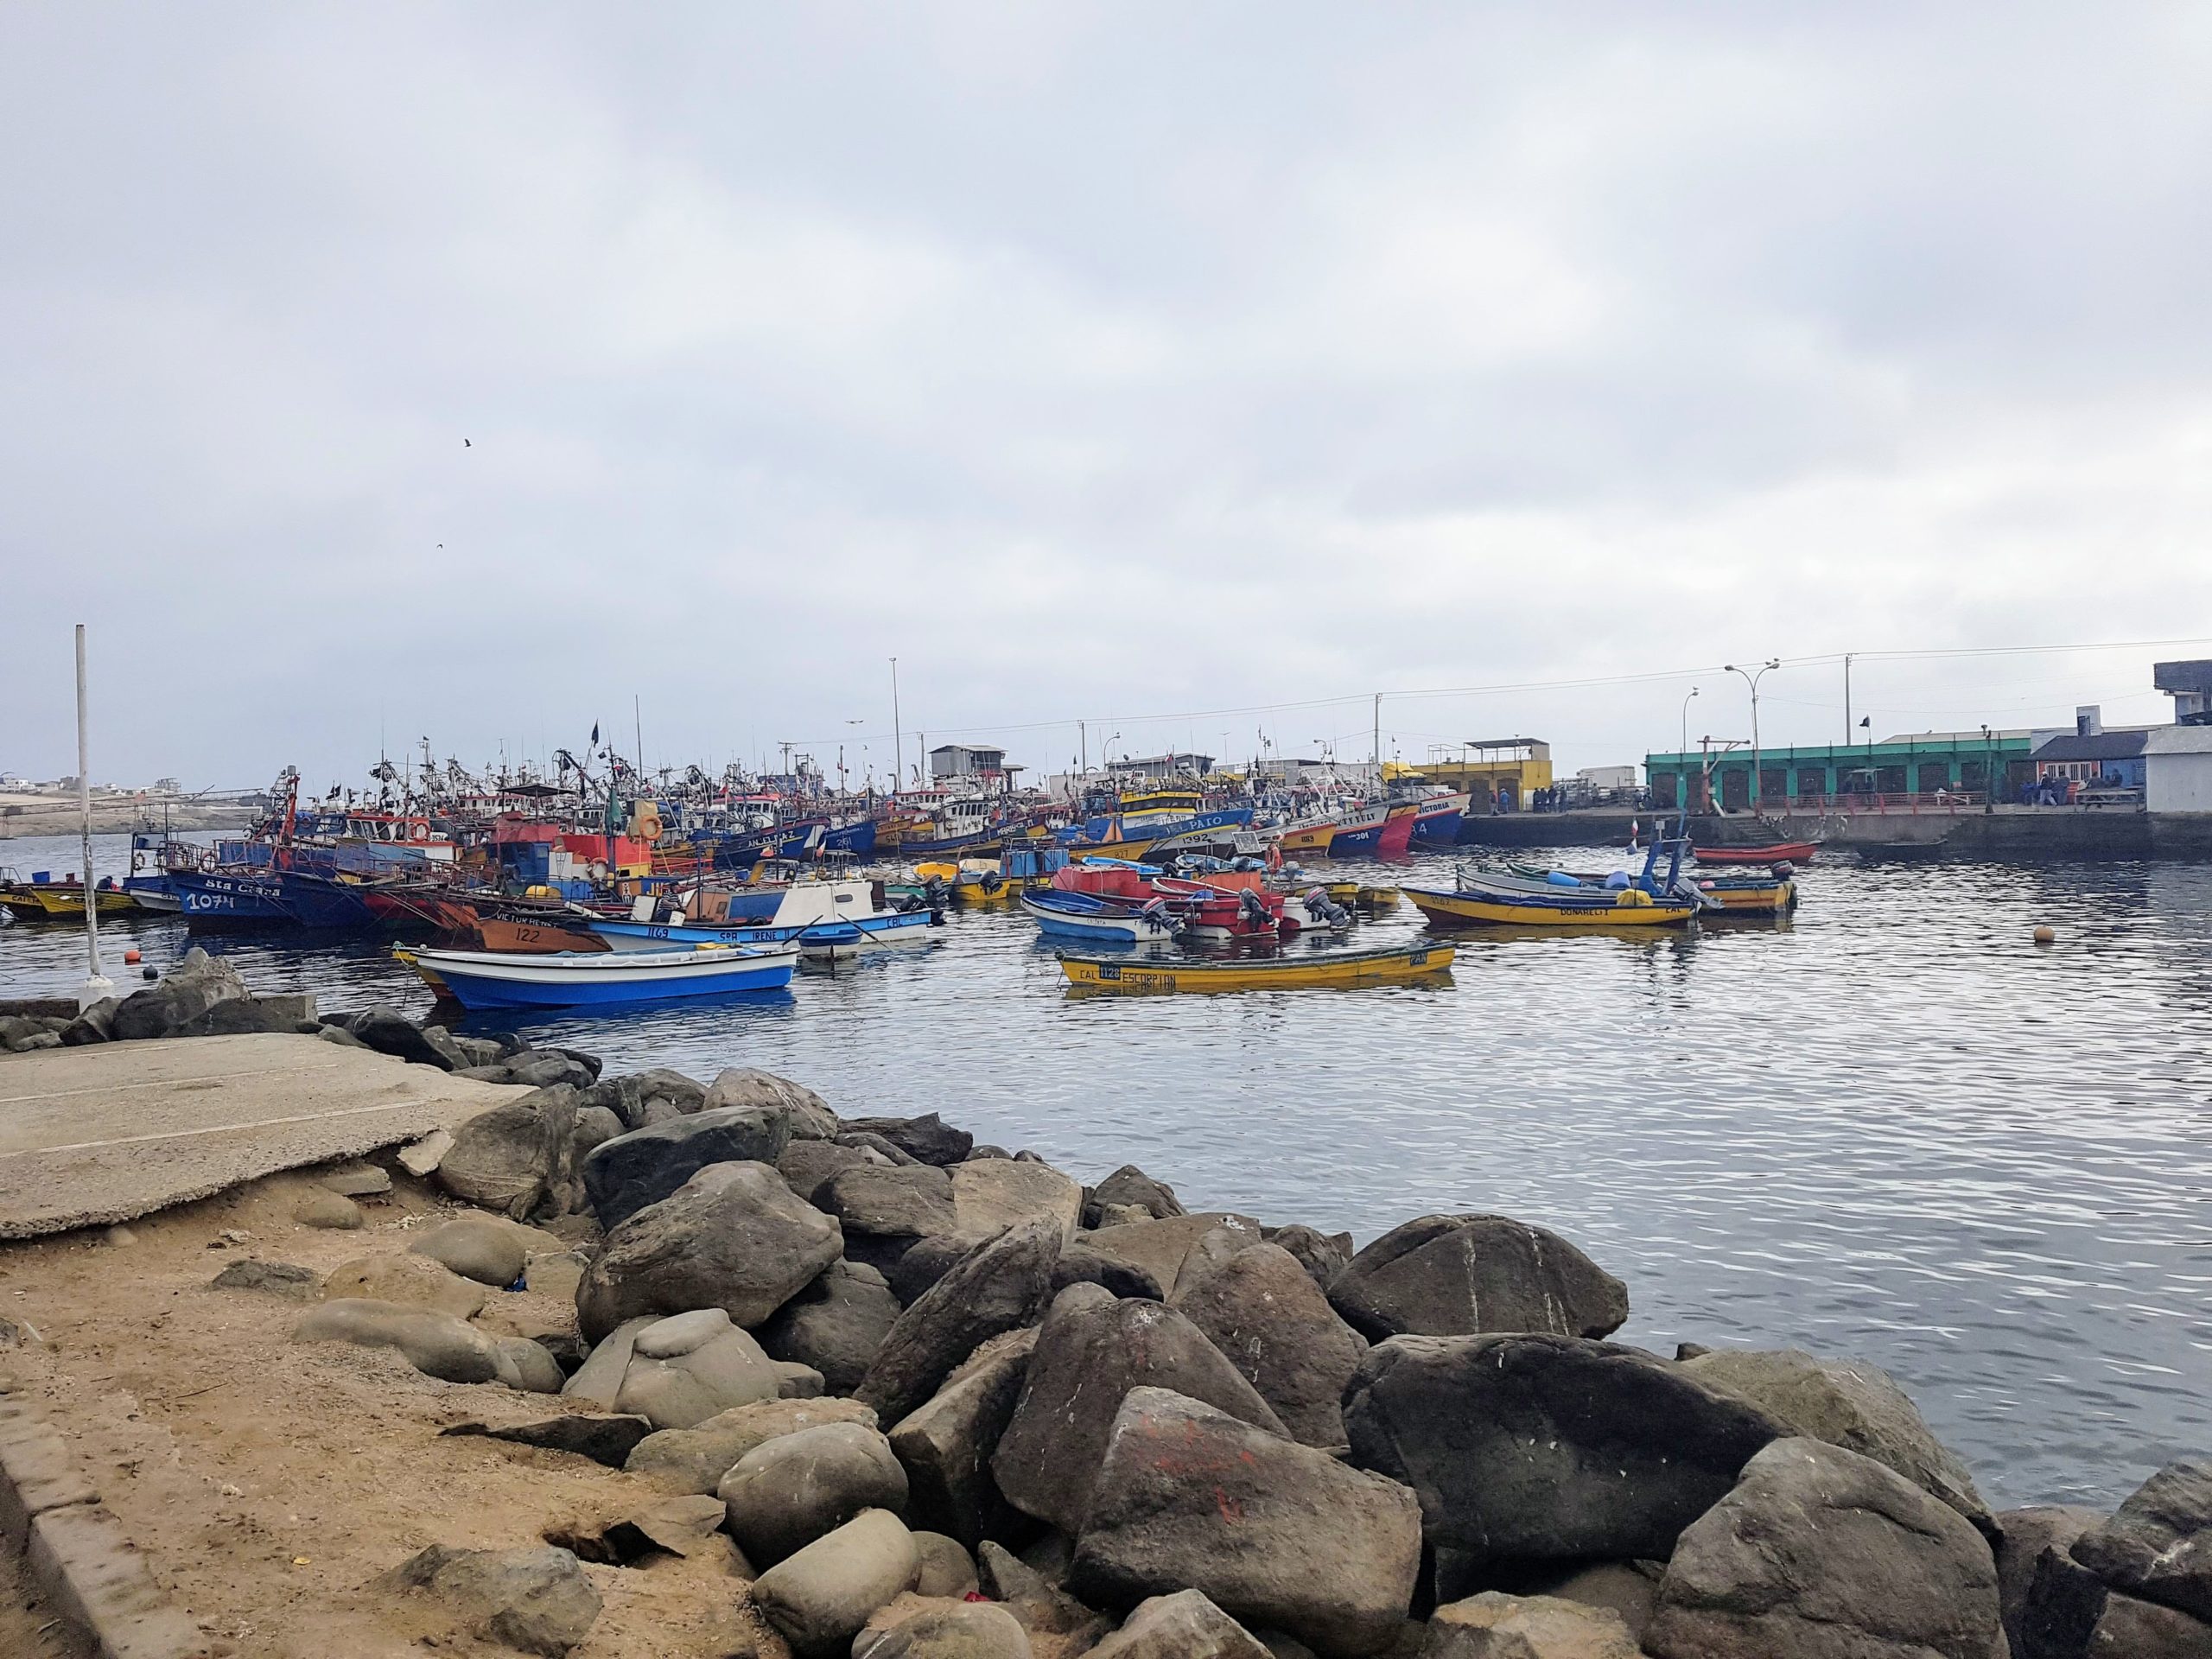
929, 1398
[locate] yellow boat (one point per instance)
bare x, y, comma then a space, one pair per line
1377, 899
1340, 971
1630, 908
1753, 899
973, 881
1312, 838
54, 901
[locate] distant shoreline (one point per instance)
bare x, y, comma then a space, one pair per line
118, 818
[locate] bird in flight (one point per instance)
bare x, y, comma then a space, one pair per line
466, 444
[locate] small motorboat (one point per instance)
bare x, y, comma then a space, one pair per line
1559, 900
498, 979
1770, 892
1780, 852
1344, 970
1069, 915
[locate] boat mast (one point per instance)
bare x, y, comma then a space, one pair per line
97, 984
898, 733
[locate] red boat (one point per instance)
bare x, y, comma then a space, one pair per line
1232, 904
1782, 852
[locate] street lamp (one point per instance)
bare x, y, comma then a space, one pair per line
1685, 725
1753, 680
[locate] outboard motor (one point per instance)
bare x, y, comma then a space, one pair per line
1253, 910
1324, 909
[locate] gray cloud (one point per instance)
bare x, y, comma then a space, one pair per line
1093, 360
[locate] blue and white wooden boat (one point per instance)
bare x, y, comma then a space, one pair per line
825, 918
499, 979
1102, 921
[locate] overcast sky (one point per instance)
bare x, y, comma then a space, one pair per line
1096, 361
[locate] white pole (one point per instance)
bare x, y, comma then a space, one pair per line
97, 984
898, 734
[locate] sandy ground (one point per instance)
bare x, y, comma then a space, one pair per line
29, 1628
268, 1481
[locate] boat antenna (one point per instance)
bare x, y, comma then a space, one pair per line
96, 985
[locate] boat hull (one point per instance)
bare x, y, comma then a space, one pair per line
1314, 838
893, 927
217, 898
498, 980
1100, 926
1788, 852
1341, 971
1378, 834
1451, 910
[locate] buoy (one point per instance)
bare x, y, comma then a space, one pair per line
2045, 936
147, 973
132, 958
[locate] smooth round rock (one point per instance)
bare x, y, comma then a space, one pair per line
326, 1209
491, 1252
680, 1333
782, 1495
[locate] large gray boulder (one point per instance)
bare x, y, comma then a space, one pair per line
390, 1031
806, 1112
784, 1494
946, 1443
1276, 1534
913, 1201
734, 1237
1274, 1325
2022, 1537
518, 1157
538, 1600
809, 1165
835, 1325
623, 1175
997, 1286
1323, 1255
1467, 1275
991, 1196
2157, 1545
1847, 1403
1092, 1350
2070, 1613
688, 1369
1821, 1553
1548, 1448
188, 991
1494, 1626
1129, 1187
1158, 1246
696, 1460
819, 1598
411, 1279
928, 1139
1184, 1625
437, 1344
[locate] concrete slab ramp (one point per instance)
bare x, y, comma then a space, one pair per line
113, 1131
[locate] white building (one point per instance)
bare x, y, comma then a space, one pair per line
2177, 769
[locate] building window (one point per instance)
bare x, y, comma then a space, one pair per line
1934, 775
1774, 784
1812, 782
1662, 789
1890, 780
1974, 774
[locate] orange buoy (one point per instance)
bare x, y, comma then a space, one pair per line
132, 958
2045, 936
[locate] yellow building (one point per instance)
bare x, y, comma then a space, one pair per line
1512, 767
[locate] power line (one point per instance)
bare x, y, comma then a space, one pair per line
1580, 683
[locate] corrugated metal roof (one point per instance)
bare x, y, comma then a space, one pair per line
2105, 745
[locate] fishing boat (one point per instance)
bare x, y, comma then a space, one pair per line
42, 899
1383, 831
823, 918
1437, 818
1780, 852
495, 979
1560, 900
1309, 835
503, 935
1338, 970
1770, 892
1153, 823
1085, 916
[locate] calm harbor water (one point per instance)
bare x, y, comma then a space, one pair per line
1891, 1130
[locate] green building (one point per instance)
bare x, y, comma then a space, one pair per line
1837, 774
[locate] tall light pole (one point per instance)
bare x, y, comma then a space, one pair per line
1686, 747
1752, 680
898, 735
97, 984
